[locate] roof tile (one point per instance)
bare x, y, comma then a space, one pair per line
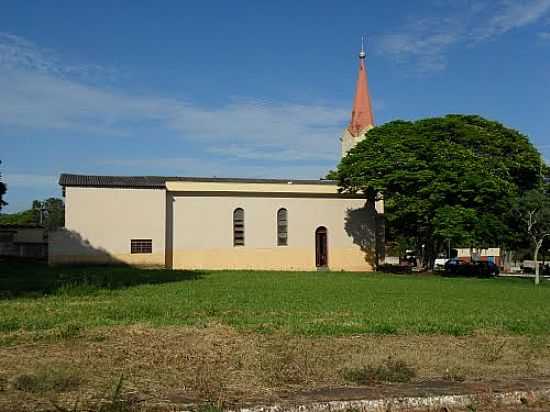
159, 182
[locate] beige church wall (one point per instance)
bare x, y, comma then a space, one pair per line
203, 232
100, 222
288, 188
66, 247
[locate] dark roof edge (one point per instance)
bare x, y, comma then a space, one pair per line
152, 182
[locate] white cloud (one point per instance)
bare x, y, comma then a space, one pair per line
427, 40
19, 53
426, 45
246, 138
35, 101
43, 102
37, 96
261, 122
513, 14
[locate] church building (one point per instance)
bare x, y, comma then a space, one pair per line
224, 223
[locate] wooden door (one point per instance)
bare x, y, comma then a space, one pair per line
321, 247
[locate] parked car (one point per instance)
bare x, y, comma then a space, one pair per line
439, 264
528, 266
456, 267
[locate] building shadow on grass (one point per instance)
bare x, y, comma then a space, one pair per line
99, 270
36, 279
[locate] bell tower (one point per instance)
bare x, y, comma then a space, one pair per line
362, 119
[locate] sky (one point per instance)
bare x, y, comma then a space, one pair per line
248, 88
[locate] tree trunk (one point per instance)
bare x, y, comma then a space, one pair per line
535, 257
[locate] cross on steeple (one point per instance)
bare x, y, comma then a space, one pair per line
362, 53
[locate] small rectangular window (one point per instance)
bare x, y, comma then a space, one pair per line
141, 246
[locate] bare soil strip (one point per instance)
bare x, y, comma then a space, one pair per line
221, 366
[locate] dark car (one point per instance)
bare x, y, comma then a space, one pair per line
456, 267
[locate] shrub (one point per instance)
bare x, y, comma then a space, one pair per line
44, 380
68, 331
390, 371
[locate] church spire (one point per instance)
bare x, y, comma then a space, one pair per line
361, 115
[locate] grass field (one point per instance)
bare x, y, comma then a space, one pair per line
38, 298
67, 335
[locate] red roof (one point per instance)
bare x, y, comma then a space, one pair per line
361, 115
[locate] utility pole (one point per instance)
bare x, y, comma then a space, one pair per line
42, 212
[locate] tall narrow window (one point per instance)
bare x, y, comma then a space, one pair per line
282, 227
238, 227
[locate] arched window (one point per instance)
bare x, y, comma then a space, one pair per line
282, 227
238, 227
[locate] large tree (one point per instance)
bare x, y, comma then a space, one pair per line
453, 178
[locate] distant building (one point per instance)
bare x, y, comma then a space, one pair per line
492, 254
216, 223
23, 241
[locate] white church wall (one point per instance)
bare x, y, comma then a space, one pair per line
194, 230
203, 232
100, 223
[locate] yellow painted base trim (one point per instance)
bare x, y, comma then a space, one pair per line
145, 260
280, 258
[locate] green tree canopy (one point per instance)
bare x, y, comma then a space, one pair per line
52, 210
454, 177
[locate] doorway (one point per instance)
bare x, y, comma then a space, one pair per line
321, 247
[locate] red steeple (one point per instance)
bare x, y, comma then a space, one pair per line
361, 115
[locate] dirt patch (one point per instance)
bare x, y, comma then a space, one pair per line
221, 366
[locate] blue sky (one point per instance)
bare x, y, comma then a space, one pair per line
248, 88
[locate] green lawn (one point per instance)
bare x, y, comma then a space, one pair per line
36, 298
